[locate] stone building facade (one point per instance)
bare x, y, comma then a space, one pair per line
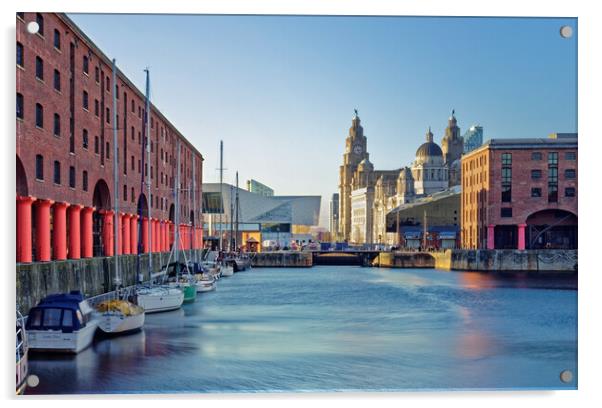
377, 192
64, 153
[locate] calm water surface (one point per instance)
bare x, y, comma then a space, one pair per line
339, 328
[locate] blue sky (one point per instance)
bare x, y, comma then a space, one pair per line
280, 90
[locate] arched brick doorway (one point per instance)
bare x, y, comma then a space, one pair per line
553, 229
22, 189
101, 200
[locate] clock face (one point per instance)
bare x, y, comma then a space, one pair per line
357, 149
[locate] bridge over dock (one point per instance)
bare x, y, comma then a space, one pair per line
344, 257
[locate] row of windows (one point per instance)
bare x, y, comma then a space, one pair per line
158, 203
569, 174
57, 125
39, 20
552, 157
56, 178
568, 192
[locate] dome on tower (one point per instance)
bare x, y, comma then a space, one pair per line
428, 149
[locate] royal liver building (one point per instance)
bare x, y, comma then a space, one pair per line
366, 195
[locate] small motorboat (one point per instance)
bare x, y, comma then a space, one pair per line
205, 283
61, 323
227, 270
22, 357
158, 298
118, 316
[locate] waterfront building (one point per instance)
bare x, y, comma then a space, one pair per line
473, 138
520, 194
429, 170
437, 214
368, 195
334, 217
280, 219
256, 187
64, 153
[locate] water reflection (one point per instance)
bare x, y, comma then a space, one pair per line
339, 328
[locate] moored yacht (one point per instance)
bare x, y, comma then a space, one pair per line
118, 316
61, 323
158, 298
205, 283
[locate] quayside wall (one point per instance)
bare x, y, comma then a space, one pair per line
282, 259
91, 276
497, 260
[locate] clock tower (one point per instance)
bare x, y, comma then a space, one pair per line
355, 152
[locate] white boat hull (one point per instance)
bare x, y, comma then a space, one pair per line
227, 271
115, 322
161, 300
205, 286
57, 341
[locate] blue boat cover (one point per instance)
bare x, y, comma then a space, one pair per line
57, 311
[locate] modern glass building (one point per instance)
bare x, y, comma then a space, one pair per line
473, 138
256, 187
279, 219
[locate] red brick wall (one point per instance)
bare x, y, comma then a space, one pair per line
32, 140
522, 203
482, 189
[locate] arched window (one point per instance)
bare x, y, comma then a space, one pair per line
57, 124
86, 64
39, 116
72, 176
19, 106
57, 39
57, 172
39, 167
85, 180
39, 68
125, 192
85, 139
57, 80
20, 55
40, 21
85, 101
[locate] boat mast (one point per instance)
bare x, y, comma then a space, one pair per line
188, 217
231, 243
148, 172
194, 209
424, 232
177, 210
221, 181
236, 232
115, 180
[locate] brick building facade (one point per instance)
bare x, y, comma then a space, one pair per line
520, 194
64, 149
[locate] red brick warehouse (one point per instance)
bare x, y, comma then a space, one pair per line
65, 154
521, 194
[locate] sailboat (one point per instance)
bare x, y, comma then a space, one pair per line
118, 315
152, 297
